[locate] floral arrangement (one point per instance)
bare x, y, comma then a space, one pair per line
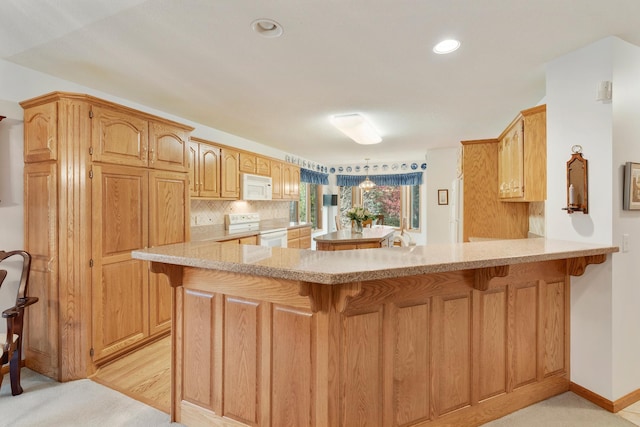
359, 214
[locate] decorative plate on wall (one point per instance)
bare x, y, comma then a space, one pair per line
414, 166
332, 170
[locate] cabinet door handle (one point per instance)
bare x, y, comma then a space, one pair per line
152, 155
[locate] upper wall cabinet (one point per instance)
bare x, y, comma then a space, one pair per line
522, 158
41, 138
122, 138
252, 163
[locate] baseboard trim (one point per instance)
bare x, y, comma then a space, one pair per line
611, 406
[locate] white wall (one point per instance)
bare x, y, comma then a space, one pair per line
626, 147
441, 172
604, 300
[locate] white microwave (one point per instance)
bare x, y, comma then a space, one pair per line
256, 187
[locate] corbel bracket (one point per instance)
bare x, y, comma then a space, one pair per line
484, 275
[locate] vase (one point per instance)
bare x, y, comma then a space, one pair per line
358, 227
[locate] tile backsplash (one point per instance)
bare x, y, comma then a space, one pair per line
209, 212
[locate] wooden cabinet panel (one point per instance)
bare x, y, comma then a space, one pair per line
119, 137
198, 371
484, 214
452, 345
41, 133
251, 240
554, 311
492, 348
229, 174
276, 179
290, 182
209, 171
119, 283
193, 162
168, 147
300, 238
263, 166
168, 223
522, 157
241, 352
292, 343
40, 342
255, 164
362, 369
525, 332
247, 163
411, 363
204, 170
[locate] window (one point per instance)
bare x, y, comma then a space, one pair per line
394, 202
310, 206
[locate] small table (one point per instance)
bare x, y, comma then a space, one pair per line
378, 236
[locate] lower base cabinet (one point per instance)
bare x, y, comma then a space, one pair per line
299, 238
429, 349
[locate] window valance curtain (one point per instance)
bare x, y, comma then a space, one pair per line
414, 178
313, 177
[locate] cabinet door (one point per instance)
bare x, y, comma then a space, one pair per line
229, 174
276, 179
194, 179
209, 171
168, 222
247, 163
263, 166
291, 182
41, 133
118, 137
41, 338
517, 159
168, 147
305, 238
120, 300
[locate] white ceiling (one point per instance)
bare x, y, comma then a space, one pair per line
200, 59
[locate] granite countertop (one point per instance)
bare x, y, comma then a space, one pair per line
328, 267
369, 234
218, 233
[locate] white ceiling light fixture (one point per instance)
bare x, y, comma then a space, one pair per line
446, 46
267, 28
367, 184
356, 127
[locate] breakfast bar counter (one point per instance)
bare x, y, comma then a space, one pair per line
409, 336
378, 236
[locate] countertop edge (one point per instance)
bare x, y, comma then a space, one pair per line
333, 278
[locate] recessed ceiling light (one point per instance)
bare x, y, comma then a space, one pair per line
446, 46
267, 28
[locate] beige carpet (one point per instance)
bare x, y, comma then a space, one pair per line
79, 403
85, 403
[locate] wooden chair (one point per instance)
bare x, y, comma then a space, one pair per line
380, 220
13, 300
367, 223
338, 223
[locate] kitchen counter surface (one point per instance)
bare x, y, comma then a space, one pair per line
327, 267
218, 233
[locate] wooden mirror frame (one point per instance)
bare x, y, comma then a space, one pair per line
577, 175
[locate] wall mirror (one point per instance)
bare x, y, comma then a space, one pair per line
577, 188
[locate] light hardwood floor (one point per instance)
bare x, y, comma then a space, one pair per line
144, 375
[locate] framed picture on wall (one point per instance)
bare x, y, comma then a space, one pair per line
443, 197
631, 196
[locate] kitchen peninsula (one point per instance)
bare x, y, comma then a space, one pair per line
426, 335
378, 236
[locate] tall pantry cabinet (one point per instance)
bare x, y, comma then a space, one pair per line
100, 181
